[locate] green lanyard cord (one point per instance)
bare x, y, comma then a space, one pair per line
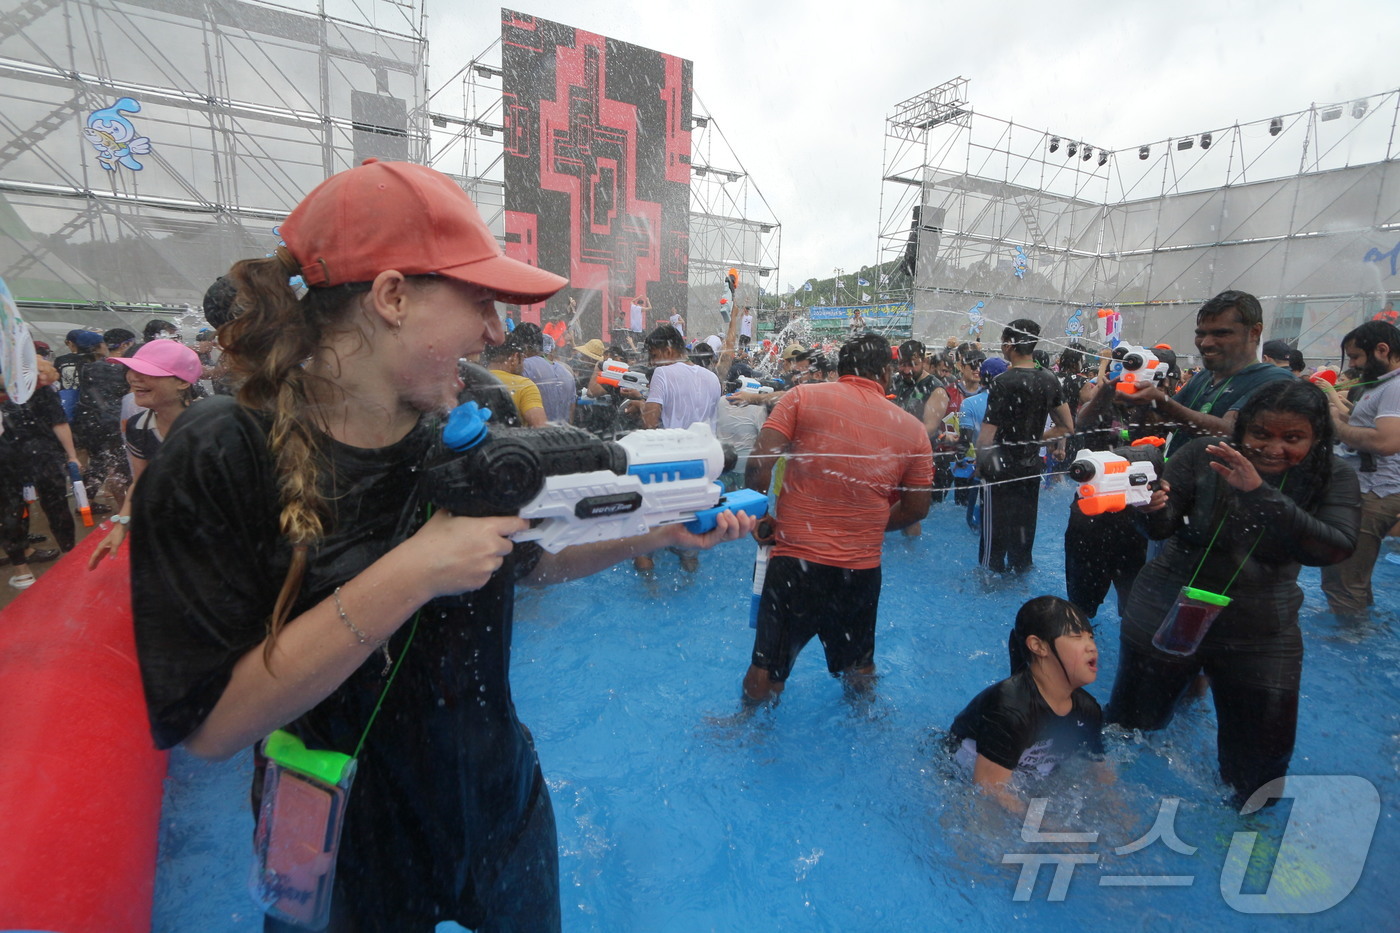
392, 674
1202, 563
1210, 406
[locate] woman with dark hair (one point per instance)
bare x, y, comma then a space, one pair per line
1041, 714
1241, 517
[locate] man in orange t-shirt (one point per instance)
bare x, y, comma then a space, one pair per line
858, 466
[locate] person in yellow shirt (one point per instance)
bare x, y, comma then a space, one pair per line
505, 362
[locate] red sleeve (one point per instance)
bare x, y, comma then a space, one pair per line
785, 414
918, 466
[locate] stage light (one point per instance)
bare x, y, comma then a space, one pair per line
1144, 152
1205, 140
733, 176
765, 228
1088, 153
764, 272
440, 123
1103, 157
1185, 143
1358, 110
1275, 126
1332, 113
699, 172
1054, 143
699, 122
1071, 150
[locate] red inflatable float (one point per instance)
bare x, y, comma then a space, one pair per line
80, 781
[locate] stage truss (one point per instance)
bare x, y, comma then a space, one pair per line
243, 105
1301, 209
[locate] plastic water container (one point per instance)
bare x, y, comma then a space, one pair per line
1186, 624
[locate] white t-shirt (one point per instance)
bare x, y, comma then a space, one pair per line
746, 326
1381, 401
686, 393
677, 323
738, 426
636, 318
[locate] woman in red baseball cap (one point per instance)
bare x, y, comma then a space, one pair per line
285, 577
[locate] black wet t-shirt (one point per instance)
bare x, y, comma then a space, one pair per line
447, 774
1020, 400
1014, 727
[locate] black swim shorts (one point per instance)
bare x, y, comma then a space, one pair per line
801, 599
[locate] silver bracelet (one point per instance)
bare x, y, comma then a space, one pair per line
381, 644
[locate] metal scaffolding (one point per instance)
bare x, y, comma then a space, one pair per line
150, 143
1301, 209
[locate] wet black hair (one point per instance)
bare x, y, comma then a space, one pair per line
1047, 618
702, 354
1309, 479
155, 327
530, 337
910, 349
1251, 312
1023, 334
503, 350
1042, 358
666, 337
865, 355
1072, 357
116, 337
1371, 334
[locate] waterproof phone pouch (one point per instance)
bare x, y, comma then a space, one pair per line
304, 794
1188, 620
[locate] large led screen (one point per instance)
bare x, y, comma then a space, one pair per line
597, 169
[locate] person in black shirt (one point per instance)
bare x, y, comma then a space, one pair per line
1041, 714
1239, 519
84, 347
44, 447
282, 552
1008, 449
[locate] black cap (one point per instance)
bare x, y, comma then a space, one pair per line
218, 302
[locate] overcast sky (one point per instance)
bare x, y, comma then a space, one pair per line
802, 89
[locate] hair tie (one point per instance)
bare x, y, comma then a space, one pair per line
288, 261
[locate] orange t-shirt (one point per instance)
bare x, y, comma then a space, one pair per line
851, 452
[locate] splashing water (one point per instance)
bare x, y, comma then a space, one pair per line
820, 814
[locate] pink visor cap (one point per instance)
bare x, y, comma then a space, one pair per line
165, 358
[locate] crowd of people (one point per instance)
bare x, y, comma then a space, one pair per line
99, 414
289, 573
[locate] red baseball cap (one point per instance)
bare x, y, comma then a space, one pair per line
404, 216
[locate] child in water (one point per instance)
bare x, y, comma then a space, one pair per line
1041, 714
